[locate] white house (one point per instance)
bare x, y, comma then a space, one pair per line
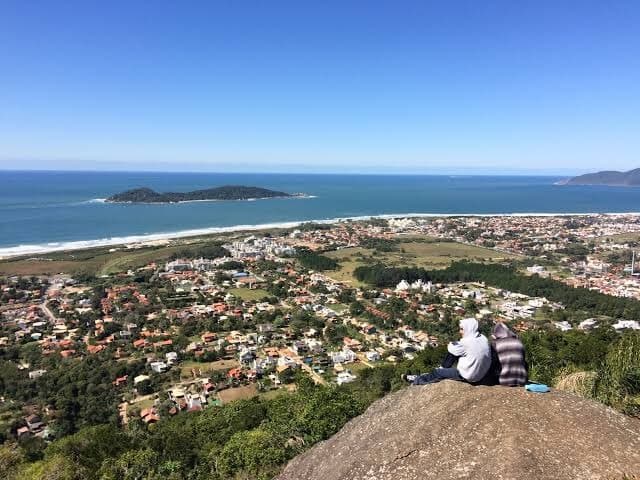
622, 324
563, 326
588, 324
536, 269
345, 377
172, 357
246, 356
284, 360
140, 379
36, 374
158, 367
345, 356
373, 356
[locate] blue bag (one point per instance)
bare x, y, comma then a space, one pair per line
537, 388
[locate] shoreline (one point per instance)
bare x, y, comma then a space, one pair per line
50, 247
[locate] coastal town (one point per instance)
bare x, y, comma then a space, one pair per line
250, 314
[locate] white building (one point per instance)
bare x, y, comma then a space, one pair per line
537, 269
344, 356
345, 377
140, 379
563, 326
158, 367
622, 324
373, 356
172, 357
588, 324
36, 374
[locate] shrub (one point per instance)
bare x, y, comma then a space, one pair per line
618, 383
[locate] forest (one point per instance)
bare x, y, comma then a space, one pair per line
507, 278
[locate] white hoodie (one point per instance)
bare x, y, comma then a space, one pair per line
473, 350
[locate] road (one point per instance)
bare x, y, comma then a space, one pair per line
363, 359
314, 376
48, 313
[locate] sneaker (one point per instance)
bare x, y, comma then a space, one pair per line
408, 378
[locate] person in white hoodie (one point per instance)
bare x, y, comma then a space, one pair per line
472, 352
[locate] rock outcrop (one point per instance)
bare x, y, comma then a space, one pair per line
452, 430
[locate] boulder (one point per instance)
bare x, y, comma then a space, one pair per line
452, 430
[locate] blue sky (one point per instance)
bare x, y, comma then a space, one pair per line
358, 86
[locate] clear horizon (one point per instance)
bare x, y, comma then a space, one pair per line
459, 172
352, 87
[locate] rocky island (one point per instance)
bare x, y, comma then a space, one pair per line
608, 177
227, 192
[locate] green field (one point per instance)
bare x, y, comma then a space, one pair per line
100, 261
621, 237
90, 262
249, 294
271, 394
427, 253
356, 367
338, 307
238, 393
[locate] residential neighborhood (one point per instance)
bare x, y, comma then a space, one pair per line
192, 332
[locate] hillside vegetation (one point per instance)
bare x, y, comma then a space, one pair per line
254, 438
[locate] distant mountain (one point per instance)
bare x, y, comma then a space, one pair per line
227, 192
608, 177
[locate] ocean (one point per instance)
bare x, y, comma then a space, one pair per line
41, 211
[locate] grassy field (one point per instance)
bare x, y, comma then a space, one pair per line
99, 261
147, 403
271, 394
356, 367
238, 393
204, 367
249, 294
90, 262
338, 307
620, 238
427, 254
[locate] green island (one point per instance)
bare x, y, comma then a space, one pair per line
226, 192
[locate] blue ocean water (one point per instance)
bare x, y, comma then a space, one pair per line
45, 209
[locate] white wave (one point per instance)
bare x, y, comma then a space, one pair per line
20, 250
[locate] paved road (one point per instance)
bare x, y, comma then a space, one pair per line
48, 312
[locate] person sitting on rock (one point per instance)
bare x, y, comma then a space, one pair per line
472, 352
512, 367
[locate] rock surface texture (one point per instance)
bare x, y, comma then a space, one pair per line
452, 430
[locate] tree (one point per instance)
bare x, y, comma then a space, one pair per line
314, 261
11, 459
258, 452
57, 467
91, 446
131, 465
356, 308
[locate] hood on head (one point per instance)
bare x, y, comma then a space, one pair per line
500, 330
469, 327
